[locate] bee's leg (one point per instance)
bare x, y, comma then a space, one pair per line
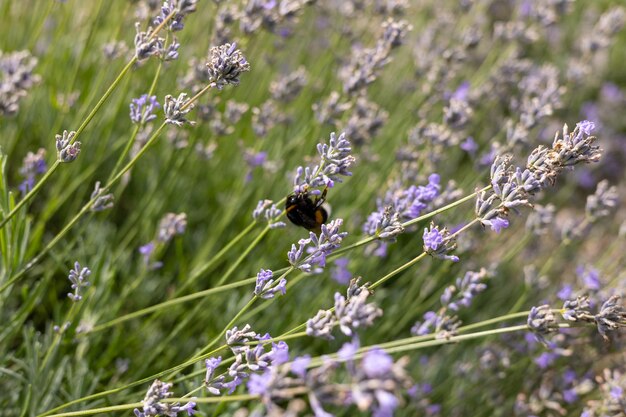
320, 200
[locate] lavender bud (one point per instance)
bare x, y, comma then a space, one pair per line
78, 278
602, 202
152, 406
144, 46
267, 209
266, 287
611, 317
438, 243
66, 150
176, 108
336, 161
142, 108
235, 336
577, 310
321, 325
171, 225
354, 312
541, 321
318, 247
100, 200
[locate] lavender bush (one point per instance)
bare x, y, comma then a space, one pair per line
466, 159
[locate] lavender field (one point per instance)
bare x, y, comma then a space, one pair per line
320, 208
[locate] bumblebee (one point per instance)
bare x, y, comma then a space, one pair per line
303, 211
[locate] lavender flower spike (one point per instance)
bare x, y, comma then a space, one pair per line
101, 201
142, 109
225, 64
439, 243
78, 278
336, 161
541, 321
176, 108
611, 316
318, 248
67, 151
152, 406
266, 287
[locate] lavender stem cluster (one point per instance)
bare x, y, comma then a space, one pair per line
611, 317
225, 65
33, 165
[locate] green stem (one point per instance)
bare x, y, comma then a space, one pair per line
131, 140
170, 303
210, 264
243, 256
69, 316
398, 270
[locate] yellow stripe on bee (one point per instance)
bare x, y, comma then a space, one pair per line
319, 217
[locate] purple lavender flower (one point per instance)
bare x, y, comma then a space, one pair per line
401, 204
376, 382
317, 248
300, 364
351, 312
590, 277
142, 109
266, 287
268, 210
147, 45
335, 161
152, 406
611, 317
499, 223
541, 321
101, 201
16, 78
340, 272
32, 166
225, 65
171, 225
176, 108
439, 243
67, 149
78, 278
465, 289
180, 8
469, 145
